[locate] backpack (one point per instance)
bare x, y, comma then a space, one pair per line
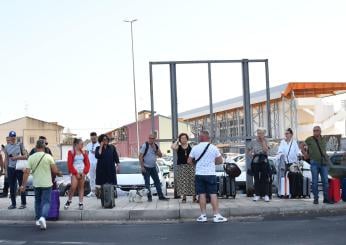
147, 148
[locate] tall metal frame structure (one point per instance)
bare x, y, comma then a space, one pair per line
248, 136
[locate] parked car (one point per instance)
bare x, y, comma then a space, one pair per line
238, 158
163, 166
64, 183
337, 169
130, 176
168, 158
165, 162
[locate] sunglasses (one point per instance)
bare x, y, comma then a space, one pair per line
152, 138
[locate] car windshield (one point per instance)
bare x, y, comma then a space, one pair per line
129, 167
62, 166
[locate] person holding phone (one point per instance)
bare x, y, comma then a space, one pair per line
185, 171
107, 161
78, 165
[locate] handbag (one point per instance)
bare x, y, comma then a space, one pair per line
294, 168
21, 164
232, 170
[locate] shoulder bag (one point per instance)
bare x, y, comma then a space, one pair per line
324, 157
204, 151
21, 164
33, 171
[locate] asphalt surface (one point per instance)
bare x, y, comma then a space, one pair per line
318, 230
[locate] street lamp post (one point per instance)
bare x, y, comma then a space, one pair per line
134, 81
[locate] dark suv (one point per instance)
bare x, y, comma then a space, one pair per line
338, 164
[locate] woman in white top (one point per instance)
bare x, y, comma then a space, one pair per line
289, 148
78, 165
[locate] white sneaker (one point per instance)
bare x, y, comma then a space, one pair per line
37, 223
266, 198
202, 218
42, 222
218, 218
91, 194
256, 198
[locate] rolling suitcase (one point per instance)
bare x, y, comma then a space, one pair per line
334, 190
108, 196
230, 187
306, 187
221, 187
270, 191
284, 187
296, 184
343, 185
53, 213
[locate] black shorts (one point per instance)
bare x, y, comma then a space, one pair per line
206, 184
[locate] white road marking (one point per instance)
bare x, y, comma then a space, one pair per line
13, 242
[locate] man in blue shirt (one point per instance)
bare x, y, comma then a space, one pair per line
148, 153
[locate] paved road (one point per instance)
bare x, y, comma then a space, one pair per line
324, 230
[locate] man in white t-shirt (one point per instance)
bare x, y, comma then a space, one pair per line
205, 176
93, 162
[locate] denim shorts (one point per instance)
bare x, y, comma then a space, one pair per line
206, 184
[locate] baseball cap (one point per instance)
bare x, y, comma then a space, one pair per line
12, 134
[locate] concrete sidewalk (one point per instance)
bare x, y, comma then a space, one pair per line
174, 209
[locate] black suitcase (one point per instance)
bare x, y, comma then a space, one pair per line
230, 187
108, 196
306, 187
296, 184
221, 186
270, 191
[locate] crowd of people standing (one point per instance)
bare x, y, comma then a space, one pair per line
196, 174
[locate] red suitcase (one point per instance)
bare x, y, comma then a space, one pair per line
334, 190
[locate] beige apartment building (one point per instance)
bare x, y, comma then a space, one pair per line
29, 129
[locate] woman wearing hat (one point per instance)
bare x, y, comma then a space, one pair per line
13, 152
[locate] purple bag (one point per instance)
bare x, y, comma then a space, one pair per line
53, 213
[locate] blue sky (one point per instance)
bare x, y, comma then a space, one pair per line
70, 61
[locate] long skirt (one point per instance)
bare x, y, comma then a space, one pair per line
186, 180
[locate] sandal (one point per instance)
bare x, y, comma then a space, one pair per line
80, 205
67, 204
